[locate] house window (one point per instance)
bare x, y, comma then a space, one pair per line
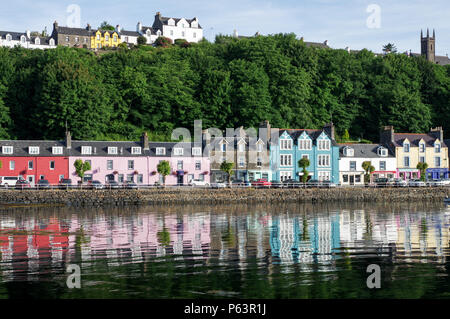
260, 147
224, 147
286, 144
160, 151
349, 152
182, 34
201, 177
136, 150
422, 147
51, 42
171, 32
406, 147
357, 178
241, 161
178, 151
304, 145
197, 151
284, 175
130, 164
437, 148
437, 161
180, 165
7, 149
112, 150
98, 37
198, 165
241, 147
8, 38
60, 177
323, 160
406, 161
324, 144
85, 40
30, 164
41, 176
382, 165
86, 150
286, 160
140, 178
12, 165
33, 150
324, 176
130, 178
194, 35
120, 178
57, 150
52, 165
77, 39
259, 162
345, 178
109, 165
382, 151
353, 165
22, 39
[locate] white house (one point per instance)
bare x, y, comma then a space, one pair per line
25, 40
130, 37
351, 157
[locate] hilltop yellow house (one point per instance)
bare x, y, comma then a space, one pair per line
412, 148
104, 38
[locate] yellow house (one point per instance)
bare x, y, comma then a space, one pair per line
413, 148
104, 38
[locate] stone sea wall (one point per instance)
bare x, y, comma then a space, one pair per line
122, 197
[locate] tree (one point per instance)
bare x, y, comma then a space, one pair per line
227, 168
423, 168
368, 168
163, 169
389, 48
106, 26
163, 42
304, 163
81, 167
346, 136
141, 40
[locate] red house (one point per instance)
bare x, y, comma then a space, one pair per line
34, 160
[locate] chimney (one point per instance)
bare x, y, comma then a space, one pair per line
88, 27
144, 141
438, 132
387, 135
28, 34
68, 140
264, 131
329, 128
158, 14
235, 33
139, 27
325, 42
55, 25
118, 28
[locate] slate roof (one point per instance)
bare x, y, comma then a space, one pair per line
20, 147
313, 134
439, 59
74, 31
317, 44
152, 30
160, 21
414, 139
130, 33
363, 150
15, 35
100, 148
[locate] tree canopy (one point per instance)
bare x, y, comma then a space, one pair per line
118, 94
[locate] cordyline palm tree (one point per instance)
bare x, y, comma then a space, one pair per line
227, 168
163, 169
368, 168
423, 168
81, 167
304, 163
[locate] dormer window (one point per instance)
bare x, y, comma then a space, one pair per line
224, 147
57, 150
160, 151
112, 150
7, 149
51, 42
23, 39
8, 38
33, 150
348, 151
86, 150
422, 147
136, 150
178, 151
304, 144
323, 145
382, 151
196, 151
37, 41
259, 147
406, 147
286, 144
437, 147
241, 147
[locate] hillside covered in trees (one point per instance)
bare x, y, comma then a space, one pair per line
229, 83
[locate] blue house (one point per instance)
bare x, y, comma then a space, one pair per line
319, 146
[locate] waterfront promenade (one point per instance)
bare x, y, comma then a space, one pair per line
185, 195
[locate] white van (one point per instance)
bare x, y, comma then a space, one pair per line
9, 181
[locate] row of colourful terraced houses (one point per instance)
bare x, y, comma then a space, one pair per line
272, 154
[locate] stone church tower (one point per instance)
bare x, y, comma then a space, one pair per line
428, 46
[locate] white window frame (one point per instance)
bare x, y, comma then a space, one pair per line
285, 144
178, 151
437, 147
241, 162
136, 150
12, 165
404, 161
33, 150
241, 147
324, 145
7, 149
349, 151
284, 175
385, 165
107, 165
130, 167
198, 165
32, 165
304, 144
86, 150
259, 147
285, 159
112, 150
197, 151
323, 160
437, 161
422, 147
382, 151
160, 151
57, 150
406, 147
50, 165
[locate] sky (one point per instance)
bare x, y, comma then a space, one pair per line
355, 24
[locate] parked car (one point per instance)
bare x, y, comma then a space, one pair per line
328, 184
9, 181
313, 183
96, 185
292, 183
382, 182
130, 185
22, 184
42, 183
261, 183
112, 184
240, 183
416, 183
435, 183
398, 182
198, 182
218, 185
276, 184
65, 183
446, 181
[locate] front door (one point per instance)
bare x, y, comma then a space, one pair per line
352, 179
180, 179
30, 179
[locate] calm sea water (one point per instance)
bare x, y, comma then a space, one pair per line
287, 251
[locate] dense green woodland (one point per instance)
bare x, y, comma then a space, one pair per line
229, 83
